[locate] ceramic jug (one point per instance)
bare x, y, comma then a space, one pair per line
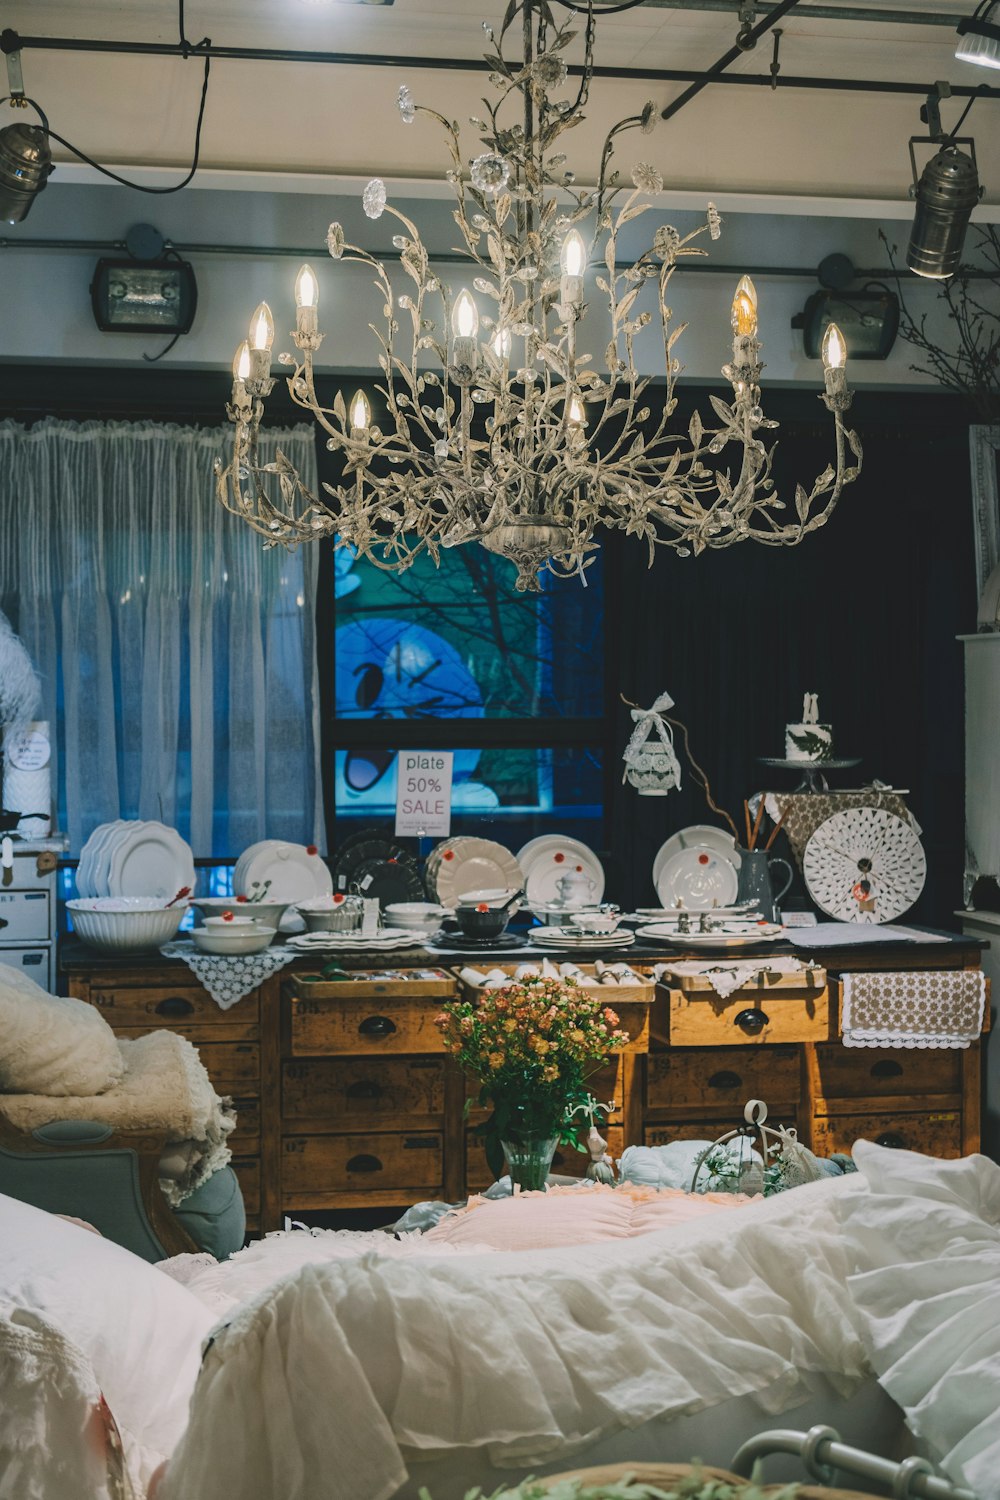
575, 888
756, 884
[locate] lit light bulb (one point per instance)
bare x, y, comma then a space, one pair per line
501, 343
465, 317
306, 288
834, 348
745, 308
262, 328
241, 362
576, 414
361, 412
574, 254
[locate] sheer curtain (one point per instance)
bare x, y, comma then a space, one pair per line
177, 655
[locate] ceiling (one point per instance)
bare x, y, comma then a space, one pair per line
302, 125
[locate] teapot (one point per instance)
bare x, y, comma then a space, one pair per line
575, 888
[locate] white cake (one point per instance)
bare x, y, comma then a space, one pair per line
809, 740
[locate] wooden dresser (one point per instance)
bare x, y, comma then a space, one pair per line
348, 1103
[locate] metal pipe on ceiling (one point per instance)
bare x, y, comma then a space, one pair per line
743, 45
890, 17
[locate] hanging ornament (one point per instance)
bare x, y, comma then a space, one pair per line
651, 763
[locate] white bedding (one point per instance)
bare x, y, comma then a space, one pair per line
340, 1376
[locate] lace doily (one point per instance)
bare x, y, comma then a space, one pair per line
942, 1008
226, 977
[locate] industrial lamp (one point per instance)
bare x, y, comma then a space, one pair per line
25, 165
979, 36
946, 193
152, 292
868, 319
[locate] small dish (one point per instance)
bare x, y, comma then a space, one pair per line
267, 913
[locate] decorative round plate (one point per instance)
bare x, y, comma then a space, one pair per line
698, 836
698, 878
664, 932
864, 865
389, 880
546, 859
292, 872
476, 864
150, 859
366, 844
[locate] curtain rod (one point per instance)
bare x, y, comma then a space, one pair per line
11, 41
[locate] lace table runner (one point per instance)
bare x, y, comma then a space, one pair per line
931, 1008
228, 978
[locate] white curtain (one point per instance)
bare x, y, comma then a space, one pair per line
177, 655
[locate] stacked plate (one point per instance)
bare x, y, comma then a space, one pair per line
580, 942
698, 869
545, 860
343, 942
464, 864
135, 859
290, 872
734, 934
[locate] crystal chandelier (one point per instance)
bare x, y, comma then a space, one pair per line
496, 429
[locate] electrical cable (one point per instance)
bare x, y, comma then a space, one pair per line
961, 119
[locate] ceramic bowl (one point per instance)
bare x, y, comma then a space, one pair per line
236, 941
333, 913
596, 921
416, 916
481, 921
491, 897
265, 913
124, 924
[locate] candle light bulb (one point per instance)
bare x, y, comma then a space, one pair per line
576, 415
573, 258
745, 308
501, 343
834, 348
241, 362
361, 412
261, 328
306, 288
465, 317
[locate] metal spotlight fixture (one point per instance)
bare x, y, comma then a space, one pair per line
25, 164
946, 193
153, 292
979, 36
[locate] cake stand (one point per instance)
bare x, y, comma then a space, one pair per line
812, 771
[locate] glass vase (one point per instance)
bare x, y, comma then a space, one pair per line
529, 1159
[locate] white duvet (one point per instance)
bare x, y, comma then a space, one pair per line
330, 1381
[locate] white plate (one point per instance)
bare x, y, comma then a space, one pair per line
673, 914
546, 859
697, 878
598, 942
86, 869
294, 873
699, 835
101, 865
477, 864
150, 859
666, 933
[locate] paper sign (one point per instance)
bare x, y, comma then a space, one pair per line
423, 792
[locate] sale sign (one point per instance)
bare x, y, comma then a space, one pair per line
423, 792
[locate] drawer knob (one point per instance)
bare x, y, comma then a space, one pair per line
174, 1005
892, 1139
886, 1069
377, 1026
364, 1164
725, 1080
752, 1020
364, 1089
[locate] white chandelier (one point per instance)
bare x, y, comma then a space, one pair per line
496, 430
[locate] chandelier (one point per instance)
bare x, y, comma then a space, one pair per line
496, 429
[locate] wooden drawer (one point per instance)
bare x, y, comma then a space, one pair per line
860, 1072
381, 1024
708, 1130
318, 1165
697, 1077
233, 1067
179, 1006
932, 1132
346, 1093
565, 1163
759, 1019
248, 1172
24, 916
245, 1139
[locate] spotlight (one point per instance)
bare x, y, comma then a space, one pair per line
946, 193
25, 164
979, 36
153, 292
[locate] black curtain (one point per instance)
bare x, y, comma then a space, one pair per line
864, 612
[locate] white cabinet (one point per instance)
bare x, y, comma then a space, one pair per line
28, 910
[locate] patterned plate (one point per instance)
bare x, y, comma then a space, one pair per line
864, 865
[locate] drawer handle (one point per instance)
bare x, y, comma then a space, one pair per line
377, 1026
174, 1005
886, 1069
364, 1164
892, 1139
725, 1081
752, 1020
364, 1089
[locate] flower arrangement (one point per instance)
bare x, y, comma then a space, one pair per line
532, 1045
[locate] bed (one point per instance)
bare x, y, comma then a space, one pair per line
360, 1366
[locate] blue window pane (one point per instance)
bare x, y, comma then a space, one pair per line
459, 642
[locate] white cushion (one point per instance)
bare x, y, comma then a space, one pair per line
50, 1044
140, 1330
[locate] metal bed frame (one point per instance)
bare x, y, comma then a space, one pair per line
822, 1452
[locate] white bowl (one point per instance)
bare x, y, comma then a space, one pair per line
595, 921
492, 897
124, 924
267, 913
235, 942
231, 924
